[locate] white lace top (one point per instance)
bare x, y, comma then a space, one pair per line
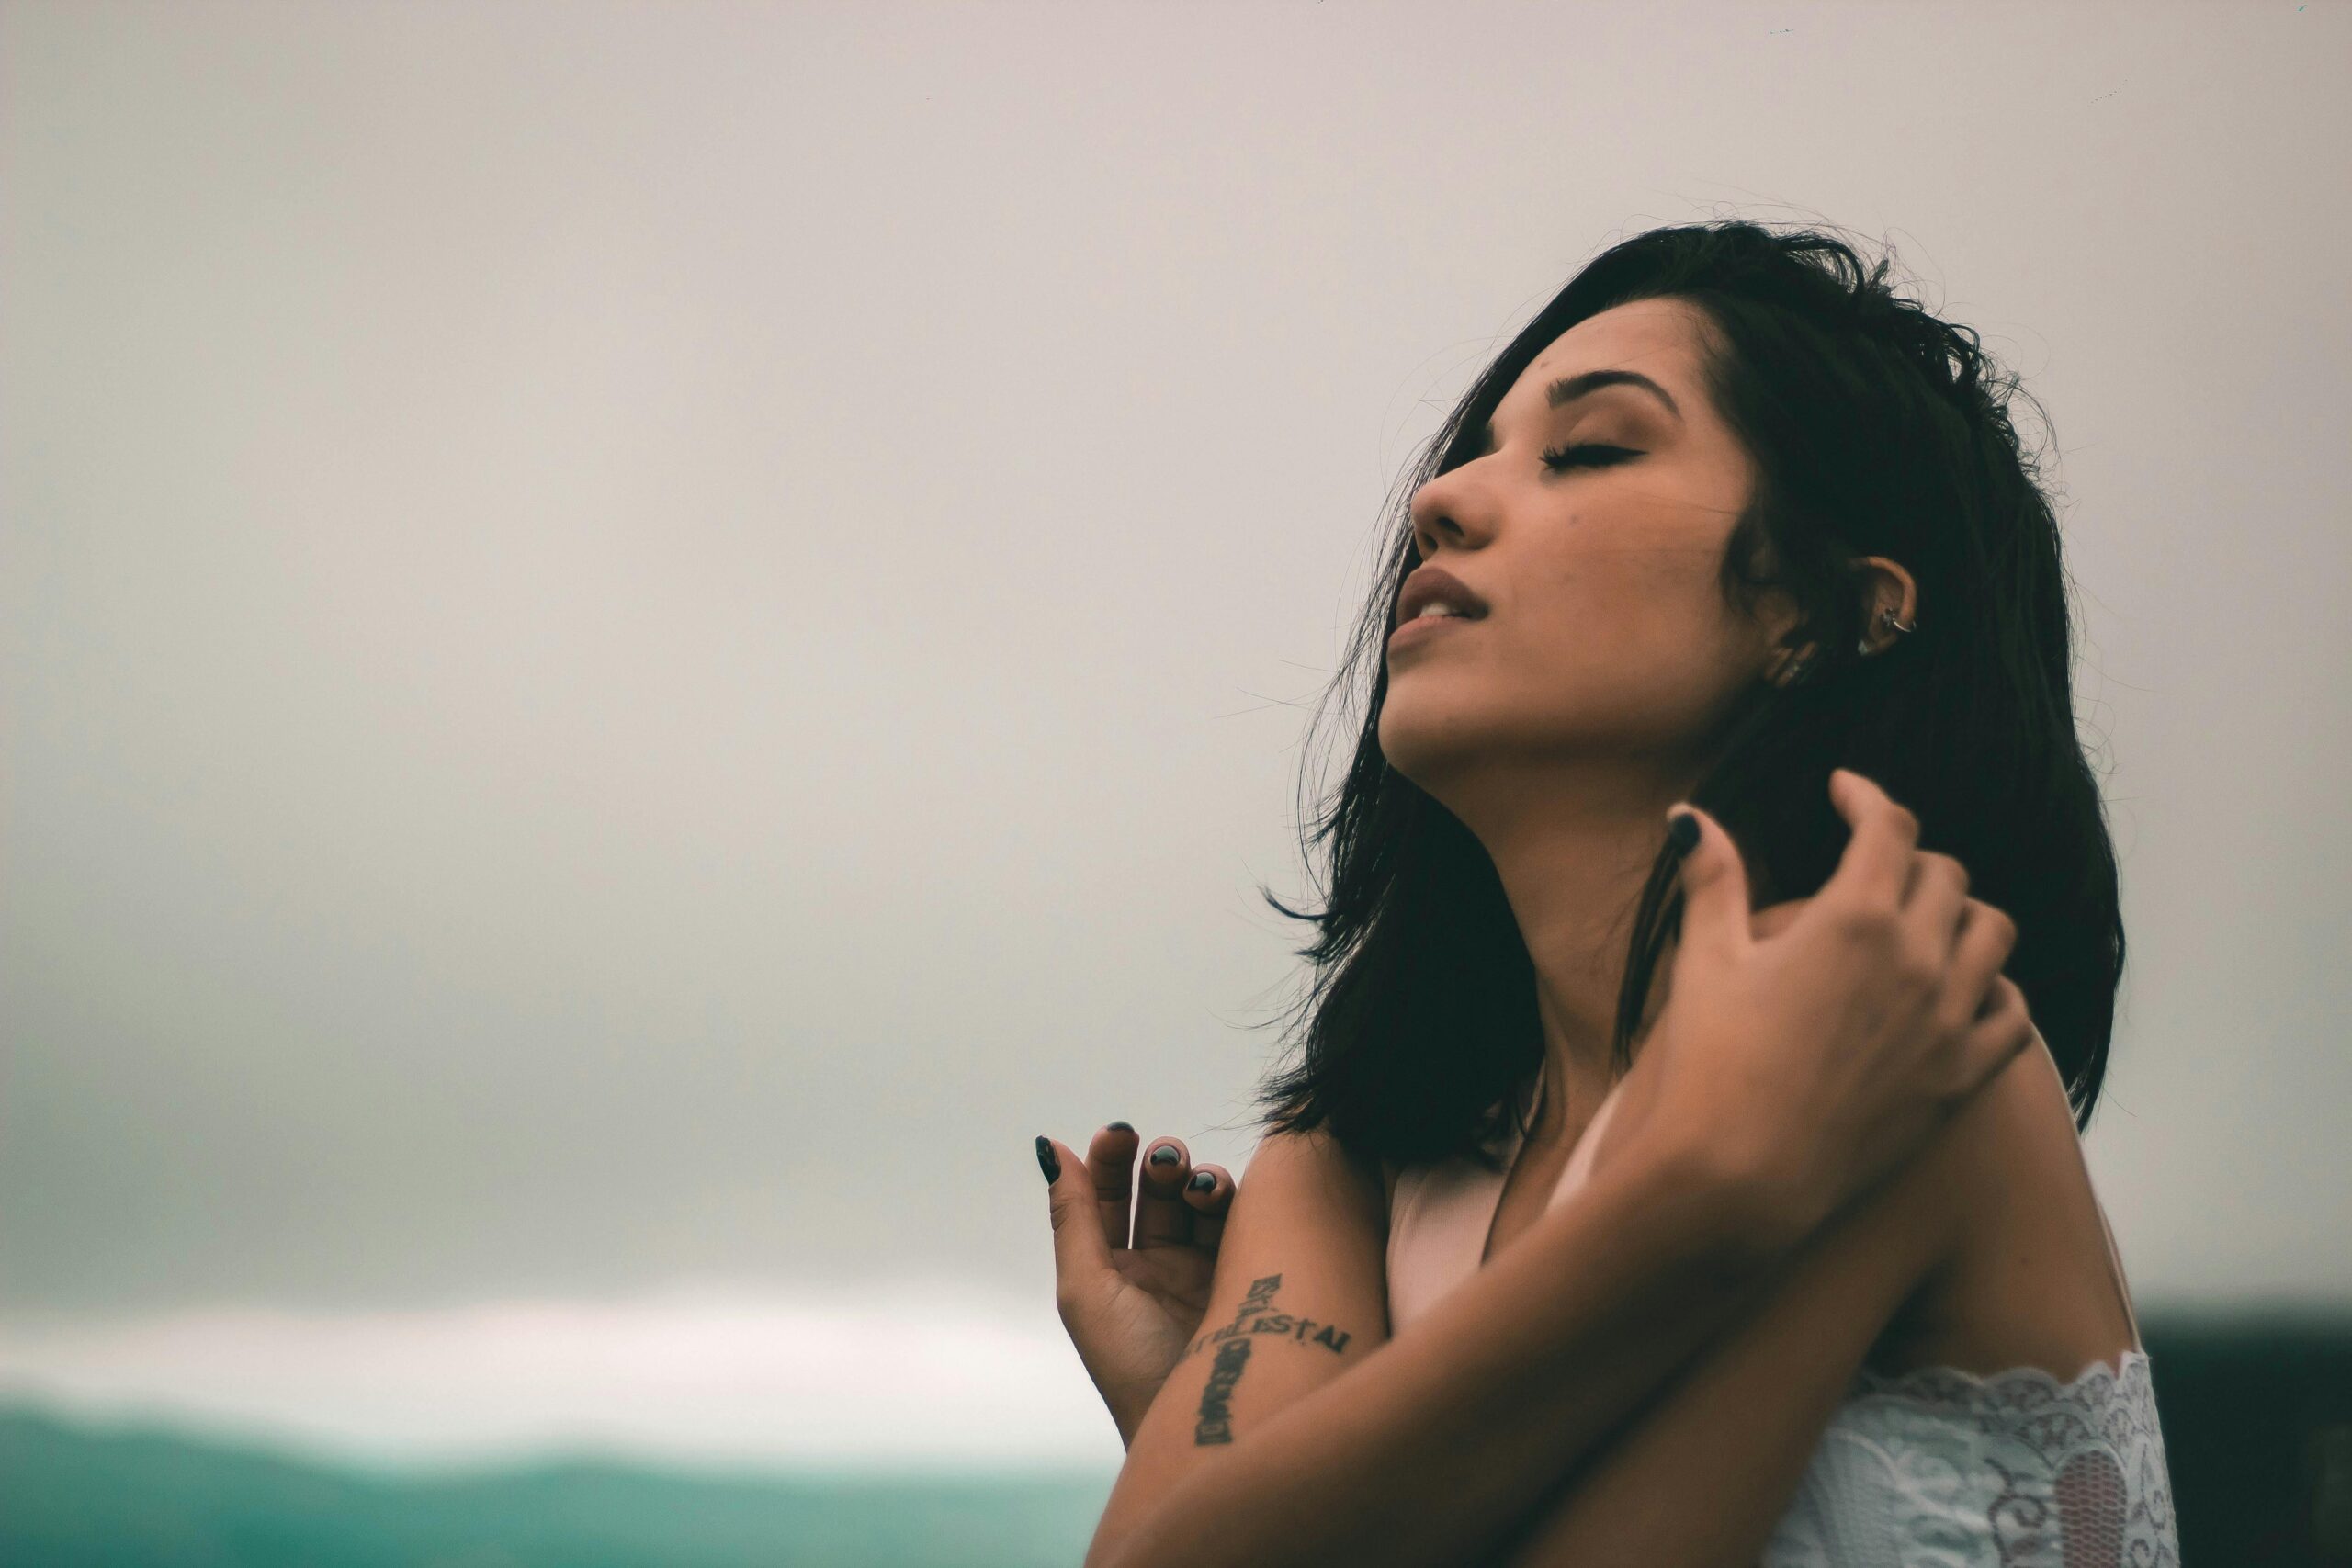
1939, 1468
1933, 1468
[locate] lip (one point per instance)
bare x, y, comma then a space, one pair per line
1428, 584
1422, 628
1433, 582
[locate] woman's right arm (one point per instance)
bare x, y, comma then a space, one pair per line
1259, 1451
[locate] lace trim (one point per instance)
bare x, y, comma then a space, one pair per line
2010, 1388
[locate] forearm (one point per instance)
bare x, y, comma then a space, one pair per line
1745, 1413
1443, 1438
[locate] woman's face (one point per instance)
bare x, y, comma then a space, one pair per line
1605, 635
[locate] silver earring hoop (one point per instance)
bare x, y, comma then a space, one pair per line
1885, 618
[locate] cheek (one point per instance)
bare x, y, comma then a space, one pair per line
1630, 642
1600, 608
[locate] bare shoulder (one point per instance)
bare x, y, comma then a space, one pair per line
1309, 1182
2021, 1113
2025, 1278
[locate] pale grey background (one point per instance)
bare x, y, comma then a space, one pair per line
640, 638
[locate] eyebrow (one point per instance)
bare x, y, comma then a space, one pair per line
1568, 389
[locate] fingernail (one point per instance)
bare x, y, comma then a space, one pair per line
1123, 1126
1049, 1161
1682, 833
1203, 1180
1164, 1155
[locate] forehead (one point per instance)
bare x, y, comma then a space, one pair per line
1658, 337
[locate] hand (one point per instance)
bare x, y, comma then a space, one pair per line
1131, 1303
1808, 1052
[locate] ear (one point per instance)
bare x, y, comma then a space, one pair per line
1887, 589
1890, 602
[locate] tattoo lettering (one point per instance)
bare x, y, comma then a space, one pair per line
1255, 1316
1216, 1425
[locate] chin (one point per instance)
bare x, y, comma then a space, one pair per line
1426, 743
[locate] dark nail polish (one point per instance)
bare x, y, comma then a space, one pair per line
1049, 1161
1164, 1155
1682, 833
1203, 1180
1123, 1126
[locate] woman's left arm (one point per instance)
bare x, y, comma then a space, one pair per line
1700, 1477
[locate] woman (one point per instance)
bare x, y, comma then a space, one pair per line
1816, 1274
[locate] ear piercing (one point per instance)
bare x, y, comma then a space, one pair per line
1794, 668
1886, 617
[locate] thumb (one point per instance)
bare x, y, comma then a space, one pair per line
1715, 885
1079, 1247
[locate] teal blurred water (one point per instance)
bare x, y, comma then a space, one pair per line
75, 1496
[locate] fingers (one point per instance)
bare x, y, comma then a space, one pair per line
1209, 1191
1111, 1164
1876, 866
1714, 886
1179, 1205
1939, 903
1999, 1034
1986, 939
1163, 1217
1079, 1248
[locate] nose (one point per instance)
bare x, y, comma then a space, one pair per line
1450, 509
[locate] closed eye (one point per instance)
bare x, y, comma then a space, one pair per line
1590, 455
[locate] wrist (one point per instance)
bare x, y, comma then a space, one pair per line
1710, 1163
1737, 1216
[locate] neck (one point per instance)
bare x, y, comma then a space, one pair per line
1572, 846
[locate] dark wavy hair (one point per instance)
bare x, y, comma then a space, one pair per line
1875, 429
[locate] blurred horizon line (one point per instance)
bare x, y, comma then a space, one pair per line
944, 1373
